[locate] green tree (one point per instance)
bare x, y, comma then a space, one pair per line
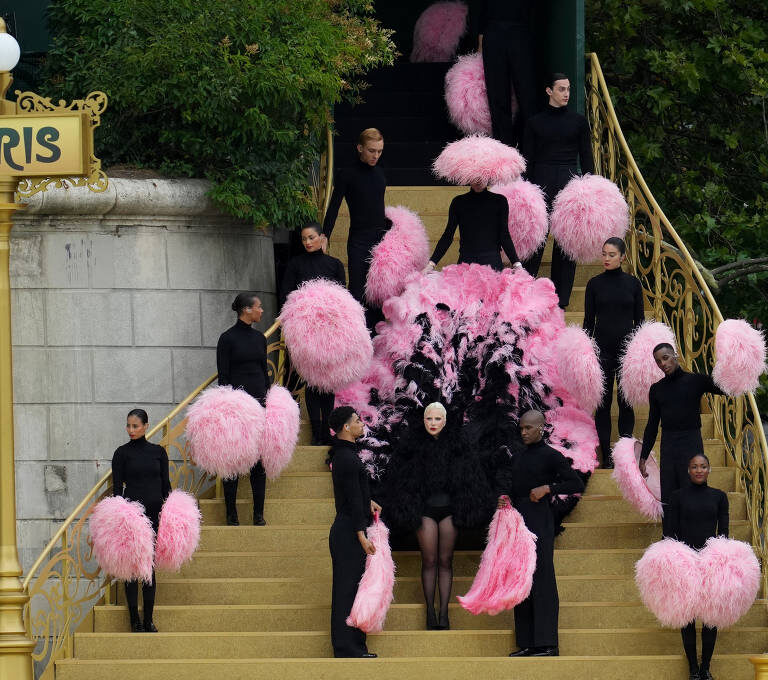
238, 91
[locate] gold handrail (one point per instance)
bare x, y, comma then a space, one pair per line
679, 296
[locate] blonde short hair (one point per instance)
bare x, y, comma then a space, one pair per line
436, 406
369, 135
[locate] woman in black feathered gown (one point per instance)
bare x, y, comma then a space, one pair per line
434, 485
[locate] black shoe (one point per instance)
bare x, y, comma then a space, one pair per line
137, 626
608, 464
525, 651
258, 520
443, 622
545, 651
704, 674
369, 655
232, 520
149, 627
431, 619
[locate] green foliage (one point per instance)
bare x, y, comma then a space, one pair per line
238, 91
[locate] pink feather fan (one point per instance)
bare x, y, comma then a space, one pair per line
375, 592
669, 581
571, 424
586, 212
643, 494
123, 539
325, 332
403, 251
281, 430
638, 367
528, 220
505, 576
740, 354
224, 428
438, 30
579, 368
479, 159
731, 574
178, 532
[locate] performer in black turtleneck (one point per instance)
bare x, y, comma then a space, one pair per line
613, 308
482, 218
695, 513
556, 141
241, 359
363, 186
140, 473
675, 402
313, 264
530, 479
347, 540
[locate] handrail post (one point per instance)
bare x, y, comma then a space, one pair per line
761, 666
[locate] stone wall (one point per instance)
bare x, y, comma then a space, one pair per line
118, 300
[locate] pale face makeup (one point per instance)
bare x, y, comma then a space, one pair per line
434, 421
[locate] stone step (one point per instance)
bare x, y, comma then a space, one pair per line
601, 483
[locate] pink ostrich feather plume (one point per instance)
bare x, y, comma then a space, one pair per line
281, 430
669, 581
123, 539
438, 30
579, 368
575, 426
479, 159
528, 219
643, 494
731, 573
178, 532
740, 353
224, 429
325, 332
505, 575
375, 592
403, 251
589, 210
638, 367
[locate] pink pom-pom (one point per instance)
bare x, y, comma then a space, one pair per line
669, 581
375, 592
223, 430
579, 368
589, 210
281, 430
577, 428
178, 531
643, 494
403, 251
740, 354
438, 30
479, 159
638, 367
325, 332
730, 573
528, 221
505, 575
123, 539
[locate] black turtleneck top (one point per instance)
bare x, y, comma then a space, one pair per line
695, 513
140, 473
675, 402
363, 187
350, 483
557, 136
613, 308
308, 266
241, 359
482, 218
508, 11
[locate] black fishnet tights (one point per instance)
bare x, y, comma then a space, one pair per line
436, 542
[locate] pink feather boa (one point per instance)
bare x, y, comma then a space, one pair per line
505, 576
281, 430
123, 539
579, 368
178, 532
528, 220
740, 353
402, 252
478, 158
589, 210
643, 494
375, 592
438, 30
638, 367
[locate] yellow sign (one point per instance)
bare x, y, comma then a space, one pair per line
44, 144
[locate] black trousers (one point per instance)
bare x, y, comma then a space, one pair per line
492, 258
319, 407
258, 489
358, 264
508, 63
676, 450
536, 617
348, 560
148, 590
610, 364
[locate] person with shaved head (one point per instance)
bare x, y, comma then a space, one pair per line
531, 478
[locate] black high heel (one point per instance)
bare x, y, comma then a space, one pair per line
443, 623
149, 627
136, 625
431, 619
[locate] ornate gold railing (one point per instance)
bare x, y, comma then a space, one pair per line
679, 296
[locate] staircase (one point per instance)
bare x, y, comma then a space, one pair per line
255, 601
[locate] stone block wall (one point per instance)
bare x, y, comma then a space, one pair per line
118, 300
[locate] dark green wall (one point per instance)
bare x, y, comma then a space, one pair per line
26, 20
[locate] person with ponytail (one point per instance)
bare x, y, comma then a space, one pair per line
241, 360
140, 473
613, 308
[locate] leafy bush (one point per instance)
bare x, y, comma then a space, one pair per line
238, 91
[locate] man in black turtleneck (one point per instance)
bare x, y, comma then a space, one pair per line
675, 402
532, 477
556, 141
